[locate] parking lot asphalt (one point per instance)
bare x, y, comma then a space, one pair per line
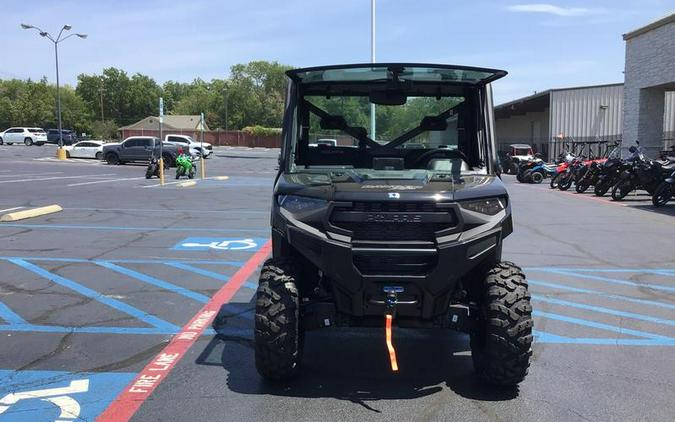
97, 297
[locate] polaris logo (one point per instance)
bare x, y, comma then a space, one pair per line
393, 218
394, 195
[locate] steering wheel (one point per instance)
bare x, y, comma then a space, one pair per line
427, 156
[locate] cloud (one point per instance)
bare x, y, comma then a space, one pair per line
555, 10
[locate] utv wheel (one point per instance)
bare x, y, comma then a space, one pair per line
536, 177
501, 346
278, 336
513, 168
662, 194
621, 189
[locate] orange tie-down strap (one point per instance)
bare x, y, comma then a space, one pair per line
390, 346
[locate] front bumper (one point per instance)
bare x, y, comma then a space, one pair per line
359, 292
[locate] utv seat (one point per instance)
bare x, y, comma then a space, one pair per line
453, 165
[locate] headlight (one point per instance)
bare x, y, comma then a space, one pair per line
295, 204
487, 206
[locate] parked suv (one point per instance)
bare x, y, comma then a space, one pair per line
27, 135
139, 148
380, 235
69, 136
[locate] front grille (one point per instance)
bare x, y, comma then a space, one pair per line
393, 221
390, 231
407, 265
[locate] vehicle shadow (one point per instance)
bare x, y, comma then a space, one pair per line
352, 364
668, 209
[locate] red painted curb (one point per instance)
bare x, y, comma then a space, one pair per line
127, 403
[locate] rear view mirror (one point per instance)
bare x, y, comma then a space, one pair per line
333, 123
390, 98
433, 123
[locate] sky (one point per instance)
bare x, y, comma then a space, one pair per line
541, 45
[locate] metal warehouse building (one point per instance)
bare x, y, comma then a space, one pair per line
587, 113
547, 119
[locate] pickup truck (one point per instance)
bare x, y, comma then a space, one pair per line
139, 148
194, 146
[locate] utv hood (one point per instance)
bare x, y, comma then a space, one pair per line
350, 189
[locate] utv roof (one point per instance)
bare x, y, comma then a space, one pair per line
383, 72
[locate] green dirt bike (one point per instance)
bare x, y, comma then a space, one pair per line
185, 166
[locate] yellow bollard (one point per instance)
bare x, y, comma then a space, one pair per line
61, 153
203, 167
161, 171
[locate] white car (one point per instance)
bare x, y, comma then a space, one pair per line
26, 135
194, 146
85, 149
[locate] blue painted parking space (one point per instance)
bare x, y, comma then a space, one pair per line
57, 395
637, 308
215, 270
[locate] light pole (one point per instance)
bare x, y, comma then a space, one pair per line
372, 60
56, 42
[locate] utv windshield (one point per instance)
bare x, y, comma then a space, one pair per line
389, 122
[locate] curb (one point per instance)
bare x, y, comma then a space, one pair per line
186, 184
220, 177
30, 213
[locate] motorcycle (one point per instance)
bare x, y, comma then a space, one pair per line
595, 170
574, 171
642, 174
185, 166
564, 160
665, 191
153, 168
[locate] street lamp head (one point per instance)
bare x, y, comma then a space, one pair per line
43, 34
26, 26
82, 35
67, 27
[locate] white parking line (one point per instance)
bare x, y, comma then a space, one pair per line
11, 209
55, 178
47, 173
165, 183
105, 181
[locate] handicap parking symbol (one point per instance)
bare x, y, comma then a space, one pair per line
219, 244
56, 395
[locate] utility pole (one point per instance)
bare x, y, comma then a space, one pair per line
227, 95
372, 60
102, 90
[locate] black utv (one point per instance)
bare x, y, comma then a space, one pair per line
399, 223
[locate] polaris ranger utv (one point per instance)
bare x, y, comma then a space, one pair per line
401, 223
